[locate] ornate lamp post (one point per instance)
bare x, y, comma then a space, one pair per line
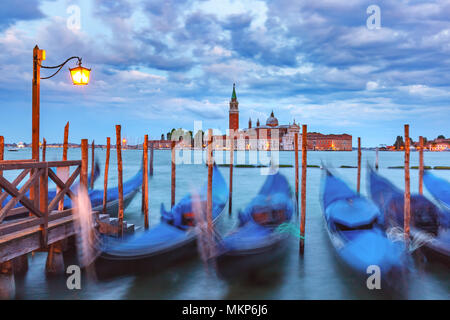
79, 75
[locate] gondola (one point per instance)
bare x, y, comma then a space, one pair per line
130, 188
360, 242
174, 238
425, 217
256, 243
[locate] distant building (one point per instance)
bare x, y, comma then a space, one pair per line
335, 142
271, 136
160, 144
275, 136
438, 145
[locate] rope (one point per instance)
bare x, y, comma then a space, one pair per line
287, 227
421, 238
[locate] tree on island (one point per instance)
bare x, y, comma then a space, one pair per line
399, 143
441, 136
198, 139
178, 135
191, 134
169, 134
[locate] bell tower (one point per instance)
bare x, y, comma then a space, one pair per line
234, 111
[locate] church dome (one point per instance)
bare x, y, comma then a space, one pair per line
272, 121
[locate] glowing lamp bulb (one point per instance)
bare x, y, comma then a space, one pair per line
80, 75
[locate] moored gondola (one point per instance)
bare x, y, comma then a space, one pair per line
174, 238
130, 188
426, 224
352, 224
256, 243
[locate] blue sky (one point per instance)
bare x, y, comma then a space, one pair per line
163, 64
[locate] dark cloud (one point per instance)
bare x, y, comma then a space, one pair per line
17, 10
116, 8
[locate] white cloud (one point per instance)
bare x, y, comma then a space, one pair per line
136, 75
371, 85
223, 8
424, 90
361, 36
220, 51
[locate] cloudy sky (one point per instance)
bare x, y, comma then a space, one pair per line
163, 64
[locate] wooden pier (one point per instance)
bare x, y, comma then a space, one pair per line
38, 224
44, 225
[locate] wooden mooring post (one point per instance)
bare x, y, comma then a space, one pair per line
84, 167
358, 181
407, 197
2, 147
209, 187
55, 259
64, 157
66, 141
230, 196
7, 281
92, 164
44, 148
296, 169
2, 152
145, 183
376, 159
105, 180
84, 163
421, 165
173, 181
303, 190
151, 159
120, 179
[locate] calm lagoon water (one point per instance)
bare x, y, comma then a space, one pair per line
318, 275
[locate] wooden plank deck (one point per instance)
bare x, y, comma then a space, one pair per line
23, 236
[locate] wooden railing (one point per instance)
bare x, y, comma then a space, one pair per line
37, 187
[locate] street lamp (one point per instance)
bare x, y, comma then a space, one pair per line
79, 75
